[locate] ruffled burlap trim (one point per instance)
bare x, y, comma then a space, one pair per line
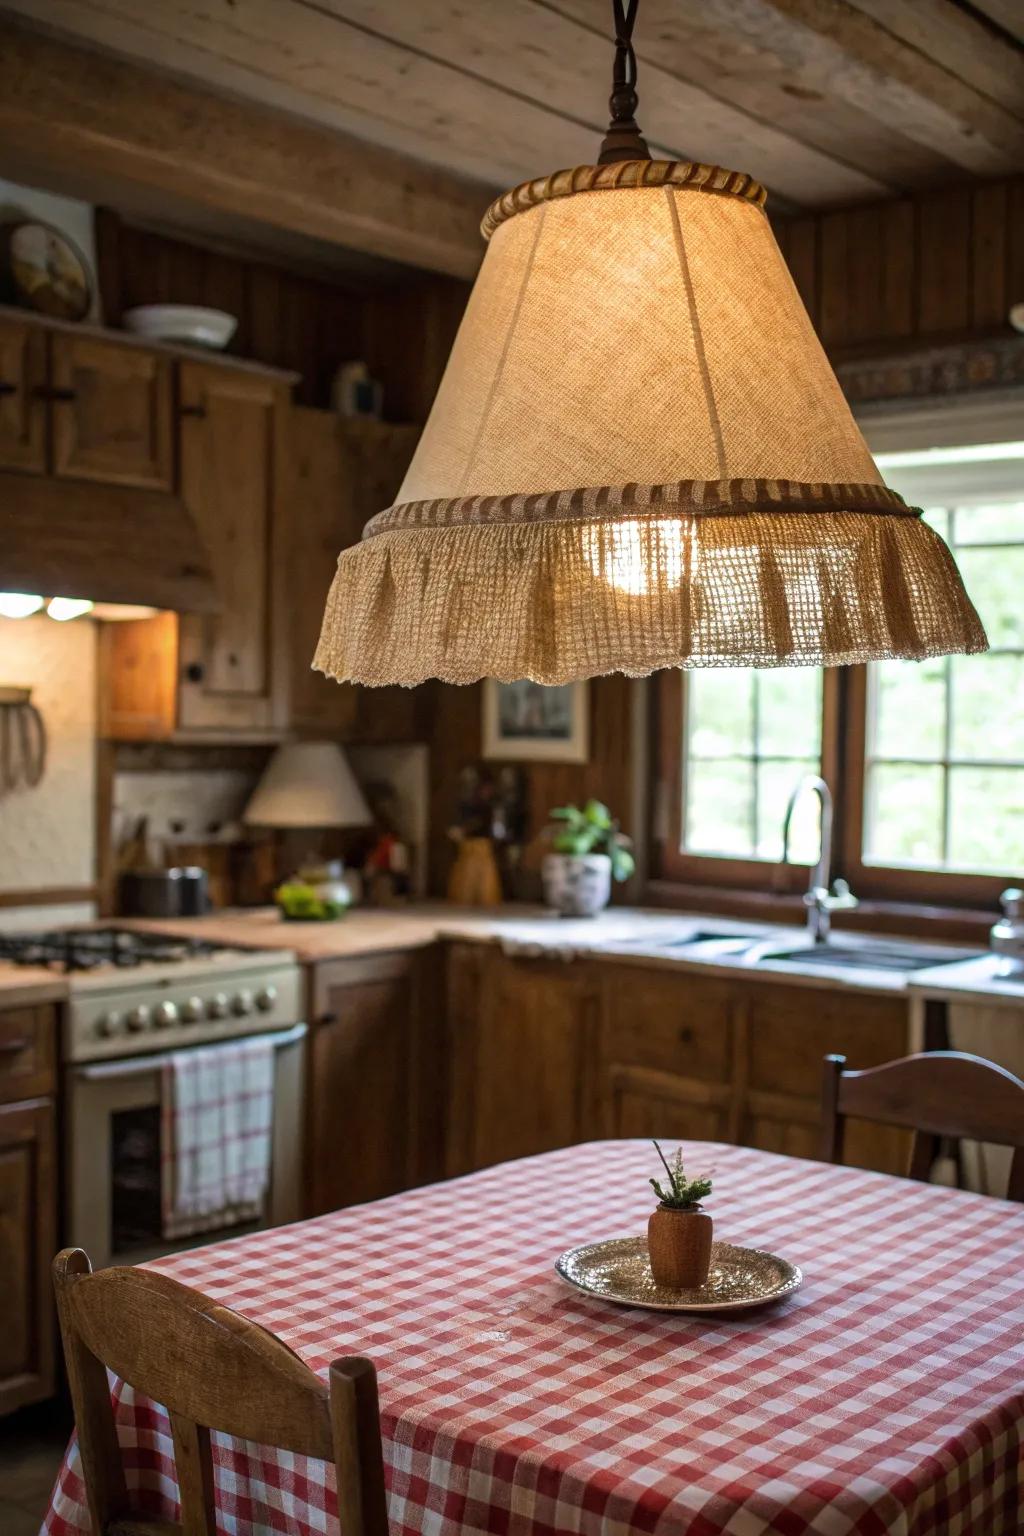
624, 173
701, 498
561, 600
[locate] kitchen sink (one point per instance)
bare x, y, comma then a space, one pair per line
869, 957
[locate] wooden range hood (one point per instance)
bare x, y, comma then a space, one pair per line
110, 543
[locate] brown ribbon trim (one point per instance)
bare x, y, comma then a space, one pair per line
698, 498
623, 173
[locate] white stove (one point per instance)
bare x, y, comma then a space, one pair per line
131, 992
135, 999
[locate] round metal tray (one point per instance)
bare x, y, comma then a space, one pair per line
619, 1270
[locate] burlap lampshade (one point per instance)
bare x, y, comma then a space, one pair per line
638, 457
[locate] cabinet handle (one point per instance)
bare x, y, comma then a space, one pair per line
328, 1018
686, 1035
53, 392
192, 410
7, 389
12, 1047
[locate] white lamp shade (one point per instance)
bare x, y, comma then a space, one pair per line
308, 784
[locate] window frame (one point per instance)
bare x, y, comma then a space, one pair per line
895, 882
669, 860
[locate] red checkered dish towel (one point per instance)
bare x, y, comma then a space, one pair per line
886, 1398
216, 1118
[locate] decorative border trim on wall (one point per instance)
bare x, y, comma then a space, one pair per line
967, 367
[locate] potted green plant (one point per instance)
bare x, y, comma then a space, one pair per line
588, 853
679, 1232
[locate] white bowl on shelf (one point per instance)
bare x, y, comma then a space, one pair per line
188, 324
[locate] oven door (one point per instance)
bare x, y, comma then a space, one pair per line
112, 1155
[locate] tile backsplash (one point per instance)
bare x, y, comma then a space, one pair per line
48, 833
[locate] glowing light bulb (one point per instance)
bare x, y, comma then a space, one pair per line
637, 557
64, 608
18, 605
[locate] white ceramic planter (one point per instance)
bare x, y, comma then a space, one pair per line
577, 884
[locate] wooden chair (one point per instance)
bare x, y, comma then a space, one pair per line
939, 1093
211, 1369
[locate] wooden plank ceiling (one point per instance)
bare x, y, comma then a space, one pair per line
829, 102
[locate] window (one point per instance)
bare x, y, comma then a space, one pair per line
749, 738
944, 761
925, 759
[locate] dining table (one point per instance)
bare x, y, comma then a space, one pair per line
885, 1395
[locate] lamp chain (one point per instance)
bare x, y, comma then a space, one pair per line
623, 140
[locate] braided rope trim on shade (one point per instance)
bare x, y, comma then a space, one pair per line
624, 173
559, 601
701, 498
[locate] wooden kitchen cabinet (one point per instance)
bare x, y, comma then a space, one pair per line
233, 665
520, 1077
110, 412
668, 1055
343, 472
363, 1017
22, 408
28, 1204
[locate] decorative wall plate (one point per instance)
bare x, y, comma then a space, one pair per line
45, 270
619, 1270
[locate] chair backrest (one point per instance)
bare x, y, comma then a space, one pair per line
935, 1094
212, 1369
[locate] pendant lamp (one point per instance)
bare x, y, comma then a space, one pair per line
638, 457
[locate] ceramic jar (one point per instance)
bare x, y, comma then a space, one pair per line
577, 884
679, 1243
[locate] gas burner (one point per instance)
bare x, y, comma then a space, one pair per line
87, 949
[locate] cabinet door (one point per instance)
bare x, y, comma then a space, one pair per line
28, 1052
642, 1103
668, 1055
787, 1033
231, 451
28, 1240
111, 412
359, 1079
22, 408
343, 472
532, 1058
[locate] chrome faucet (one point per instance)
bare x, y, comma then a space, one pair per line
819, 900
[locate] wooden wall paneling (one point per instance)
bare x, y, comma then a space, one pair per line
898, 270
834, 302
456, 740
988, 303
943, 298
1015, 242
799, 240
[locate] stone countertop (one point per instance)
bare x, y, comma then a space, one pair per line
972, 981
626, 935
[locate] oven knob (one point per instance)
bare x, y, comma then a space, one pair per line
165, 1013
137, 1018
191, 1010
241, 1003
109, 1024
217, 1007
266, 997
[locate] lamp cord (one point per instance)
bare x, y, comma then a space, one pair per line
623, 140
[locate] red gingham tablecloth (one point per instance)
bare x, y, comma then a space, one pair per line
885, 1396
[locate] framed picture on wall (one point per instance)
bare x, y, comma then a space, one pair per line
527, 722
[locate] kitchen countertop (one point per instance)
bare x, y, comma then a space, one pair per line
623, 934
27, 985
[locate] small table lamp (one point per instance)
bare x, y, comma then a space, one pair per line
307, 784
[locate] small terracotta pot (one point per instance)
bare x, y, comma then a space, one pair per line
679, 1243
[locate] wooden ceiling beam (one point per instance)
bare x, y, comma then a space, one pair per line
92, 116
836, 50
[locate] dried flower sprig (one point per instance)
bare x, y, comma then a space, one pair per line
682, 1193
